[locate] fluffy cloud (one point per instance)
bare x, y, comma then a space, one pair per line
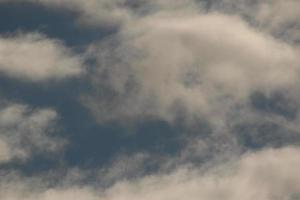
36, 58
111, 13
25, 131
278, 17
161, 62
268, 175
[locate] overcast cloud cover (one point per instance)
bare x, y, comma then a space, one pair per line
175, 99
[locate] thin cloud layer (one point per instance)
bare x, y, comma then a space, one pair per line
35, 58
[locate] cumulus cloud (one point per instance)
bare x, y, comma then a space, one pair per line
268, 175
25, 131
165, 61
200, 67
34, 57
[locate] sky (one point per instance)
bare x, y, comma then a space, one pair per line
149, 99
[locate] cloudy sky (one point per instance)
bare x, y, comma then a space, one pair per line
149, 99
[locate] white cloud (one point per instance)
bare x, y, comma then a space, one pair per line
25, 131
168, 60
279, 17
36, 58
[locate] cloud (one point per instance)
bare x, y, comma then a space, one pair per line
92, 12
200, 68
277, 17
225, 68
34, 57
25, 131
268, 175
164, 62
109, 13
281, 18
